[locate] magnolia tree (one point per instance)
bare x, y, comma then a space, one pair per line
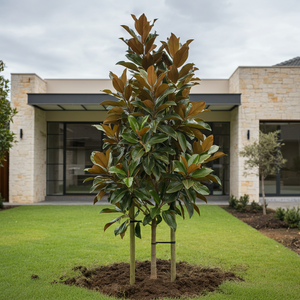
264, 158
154, 165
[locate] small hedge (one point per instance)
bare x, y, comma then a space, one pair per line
291, 216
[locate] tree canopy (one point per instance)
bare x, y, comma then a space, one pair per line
7, 138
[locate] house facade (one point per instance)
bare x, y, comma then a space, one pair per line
55, 133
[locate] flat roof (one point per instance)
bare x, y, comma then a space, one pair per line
92, 102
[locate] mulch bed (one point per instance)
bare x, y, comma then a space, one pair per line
270, 226
113, 280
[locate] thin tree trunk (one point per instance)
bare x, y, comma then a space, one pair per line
132, 247
173, 256
263, 194
153, 250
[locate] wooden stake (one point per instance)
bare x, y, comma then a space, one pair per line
153, 250
173, 256
132, 247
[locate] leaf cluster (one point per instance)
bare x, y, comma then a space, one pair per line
264, 154
150, 161
7, 138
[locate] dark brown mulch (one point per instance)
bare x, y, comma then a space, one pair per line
113, 280
270, 226
256, 219
8, 207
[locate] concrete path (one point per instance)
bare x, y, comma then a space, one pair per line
80, 201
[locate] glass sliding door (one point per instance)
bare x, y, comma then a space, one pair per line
68, 154
221, 133
287, 181
81, 141
55, 146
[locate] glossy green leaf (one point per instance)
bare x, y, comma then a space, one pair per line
117, 170
130, 137
213, 149
109, 210
166, 149
161, 98
201, 189
128, 181
188, 205
142, 193
171, 197
161, 157
137, 153
148, 164
147, 219
182, 140
174, 186
117, 195
197, 124
169, 219
155, 196
132, 166
168, 130
179, 166
135, 58
201, 172
203, 157
188, 183
156, 172
158, 219
121, 228
157, 138
137, 230
172, 116
133, 123
154, 211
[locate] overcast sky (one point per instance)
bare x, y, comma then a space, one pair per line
79, 39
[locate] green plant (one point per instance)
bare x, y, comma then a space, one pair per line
256, 206
240, 204
265, 157
7, 138
280, 213
149, 163
233, 201
292, 216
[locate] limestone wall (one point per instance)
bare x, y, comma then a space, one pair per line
268, 93
27, 176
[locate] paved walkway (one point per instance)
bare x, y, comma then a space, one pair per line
78, 201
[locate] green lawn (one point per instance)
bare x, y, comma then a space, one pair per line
50, 240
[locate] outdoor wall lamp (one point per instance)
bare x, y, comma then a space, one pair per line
248, 134
21, 133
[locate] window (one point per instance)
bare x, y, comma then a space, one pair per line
287, 181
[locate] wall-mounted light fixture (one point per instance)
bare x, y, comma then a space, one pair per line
248, 134
21, 133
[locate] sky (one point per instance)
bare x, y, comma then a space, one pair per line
80, 39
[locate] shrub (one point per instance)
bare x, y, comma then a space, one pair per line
233, 201
240, 204
280, 213
256, 206
292, 216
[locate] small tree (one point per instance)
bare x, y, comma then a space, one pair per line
150, 163
265, 156
7, 138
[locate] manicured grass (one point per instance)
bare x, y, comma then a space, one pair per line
50, 240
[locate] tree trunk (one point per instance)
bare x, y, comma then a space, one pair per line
263, 194
132, 246
173, 256
153, 250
